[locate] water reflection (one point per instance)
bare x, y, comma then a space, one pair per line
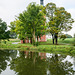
34, 63
29, 63
57, 67
4, 55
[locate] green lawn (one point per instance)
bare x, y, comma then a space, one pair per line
64, 46
66, 41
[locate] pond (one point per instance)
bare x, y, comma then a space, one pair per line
14, 62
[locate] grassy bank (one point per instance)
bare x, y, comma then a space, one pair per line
63, 46
66, 41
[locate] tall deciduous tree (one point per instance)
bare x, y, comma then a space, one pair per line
63, 21
50, 10
31, 21
58, 20
3, 33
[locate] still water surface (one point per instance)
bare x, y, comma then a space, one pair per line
14, 62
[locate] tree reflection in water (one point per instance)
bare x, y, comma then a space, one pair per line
29, 63
4, 57
33, 63
57, 67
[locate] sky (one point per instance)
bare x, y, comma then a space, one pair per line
11, 8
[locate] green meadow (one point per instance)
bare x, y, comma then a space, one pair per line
64, 46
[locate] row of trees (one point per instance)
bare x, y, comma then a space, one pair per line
31, 23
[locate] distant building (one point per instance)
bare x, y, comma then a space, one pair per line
42, 2
43, 38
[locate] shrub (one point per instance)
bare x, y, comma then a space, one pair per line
68, 36
35, 43
4, 42
63, 37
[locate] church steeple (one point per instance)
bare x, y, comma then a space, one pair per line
42, 2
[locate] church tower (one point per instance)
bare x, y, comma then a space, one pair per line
43, 37
42, 2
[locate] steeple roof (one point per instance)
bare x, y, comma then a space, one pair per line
42, 2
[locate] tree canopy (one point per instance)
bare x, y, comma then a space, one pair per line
58, 20
31, 22
4, 34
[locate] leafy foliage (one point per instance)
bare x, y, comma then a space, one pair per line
3, 33
58, 20
30, 23
12, 30
63, 37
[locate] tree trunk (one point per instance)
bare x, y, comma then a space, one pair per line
53, 38
56, 38
56, 41
37, 38
34, 38
23, 41
31, 40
